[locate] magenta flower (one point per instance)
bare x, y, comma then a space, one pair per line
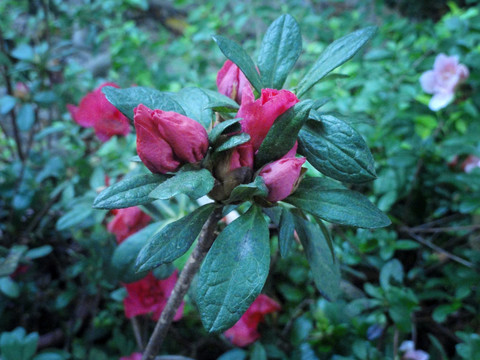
245, 331
127, 222
134, 356
149, 296
259, 115
96, 111
281, 176
232, 82
408, 347
442, 81
166, 139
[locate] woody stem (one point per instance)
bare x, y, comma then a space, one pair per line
205, 241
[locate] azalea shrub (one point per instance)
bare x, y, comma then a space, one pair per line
295, 159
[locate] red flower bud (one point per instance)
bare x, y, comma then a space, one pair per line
245, 331
259, 115
242, 156
127, 222
96, 111
281, 176
166, 139
232, 82
150, 295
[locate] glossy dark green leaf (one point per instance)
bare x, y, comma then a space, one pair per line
128, 99
195, 184
245, 192
336, 149
234, 271
285, 233
334, 203
219, 101
78, 214
194, 102
233, 141
125, 254
335, 55
221, 128
325, 270
326, 235
281, 47
129, 192
25, 117
173, 240
282, 135
237, 55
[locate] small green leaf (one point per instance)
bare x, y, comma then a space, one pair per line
217, 100
16, 345
281, 47
285, 233
195, 103
129, 192
74, 217
258, 352
334, 203
23, 52
125, 255
391, 270
283, 134
325, 270
234, 271
237, 55
173, 240
335, 55
244, 192
223, 126
233, 141
194, 183
25, 117
335, 149
128, 99
9, 287
7, 103
39, 252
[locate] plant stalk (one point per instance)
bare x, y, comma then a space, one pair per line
205, 241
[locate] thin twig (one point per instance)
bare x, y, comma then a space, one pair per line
205, 241
137, 332
442, 229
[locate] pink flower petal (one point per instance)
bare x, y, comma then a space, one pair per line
427, 80
440, 100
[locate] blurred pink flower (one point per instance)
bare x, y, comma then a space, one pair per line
149, 296
408, 347
127, 222
245, 331
442, 81
134, 356
96, 111
470, 163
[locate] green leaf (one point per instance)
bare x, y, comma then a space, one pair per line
74, 217
194, 183
391, 270
25, 117
195, 103
258, 352
234, 271
334, 203
9, 264
129, 192
335, 149
325, 270
233, 141
281, 47
23, 52
9, 287
285, 233
219, 101
39, 252
335, 55
237, 55
283, 134
125, 255
244, 192
7, 103
16, 345
234, 354
222, 127
173, 240
128, 99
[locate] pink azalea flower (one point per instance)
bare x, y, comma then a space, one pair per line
245, 331
134, 356
442, 81
408, 347
232, 82
470, 163
149, 296
166, 139
96, 111
127, 222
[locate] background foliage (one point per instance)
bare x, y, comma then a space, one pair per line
417, 279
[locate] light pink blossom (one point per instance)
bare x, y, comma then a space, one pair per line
470, 163
408, 347
442, 81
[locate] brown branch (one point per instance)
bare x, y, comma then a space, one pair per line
205, 241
